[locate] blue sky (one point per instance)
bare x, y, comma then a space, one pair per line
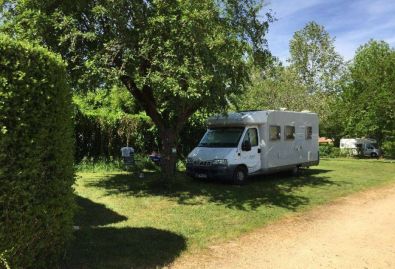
351, 23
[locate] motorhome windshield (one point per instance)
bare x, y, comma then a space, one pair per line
224, 137
372, 145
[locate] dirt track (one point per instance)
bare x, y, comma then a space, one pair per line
354, 232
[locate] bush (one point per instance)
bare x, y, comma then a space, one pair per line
3, 261
36, 156
388, 148
330, 151
91, 165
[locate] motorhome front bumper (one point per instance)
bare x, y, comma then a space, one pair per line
210, 172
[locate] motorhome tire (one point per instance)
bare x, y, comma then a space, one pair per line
373, 155
240, 175
295, 171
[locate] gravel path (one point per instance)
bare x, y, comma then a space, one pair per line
354, 232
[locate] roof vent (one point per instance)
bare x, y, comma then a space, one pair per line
306, 111
283, 108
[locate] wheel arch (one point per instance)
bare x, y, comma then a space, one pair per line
244, 167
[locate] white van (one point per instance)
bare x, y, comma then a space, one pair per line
360, 146
246, 143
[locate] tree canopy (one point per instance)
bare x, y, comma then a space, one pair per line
311, 81
174, 57
314, 57
368, 101
274, 88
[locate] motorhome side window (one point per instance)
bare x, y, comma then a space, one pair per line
252, 136
309, 132
274, 132
289, 132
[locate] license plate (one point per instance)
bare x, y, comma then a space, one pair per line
201, 175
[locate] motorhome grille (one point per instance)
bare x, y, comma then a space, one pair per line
203, 163
203, 170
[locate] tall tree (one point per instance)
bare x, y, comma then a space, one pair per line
368, 101
279, 87
174, 57
273, 88
314, 57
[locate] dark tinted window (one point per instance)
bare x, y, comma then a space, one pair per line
309, 132
289, 132
274, 132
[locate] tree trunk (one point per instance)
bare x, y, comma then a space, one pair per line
168, 134
168, 157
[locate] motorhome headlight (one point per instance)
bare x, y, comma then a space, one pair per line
220, 162
189, 160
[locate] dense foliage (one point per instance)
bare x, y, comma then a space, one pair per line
174, 57
388, 147
280, 87
310, 82
106, 120
329, 150
368, 100
36, 156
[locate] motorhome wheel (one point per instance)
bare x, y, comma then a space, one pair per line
295, 171
240, 175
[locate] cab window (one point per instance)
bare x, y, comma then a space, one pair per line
252, 136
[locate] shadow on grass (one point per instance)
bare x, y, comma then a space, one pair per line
94, 214
275, 190
111, 247
124, 248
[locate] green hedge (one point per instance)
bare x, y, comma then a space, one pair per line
36, 156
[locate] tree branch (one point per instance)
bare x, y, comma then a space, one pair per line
145, 99
183, 117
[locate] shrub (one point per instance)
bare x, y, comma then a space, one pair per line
330, 151
36, 156
3, 261
388, 148
91, 165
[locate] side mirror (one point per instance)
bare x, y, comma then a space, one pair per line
246, 146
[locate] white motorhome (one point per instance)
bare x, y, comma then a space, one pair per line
246, 143
360, 146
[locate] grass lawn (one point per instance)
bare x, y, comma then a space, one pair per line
127, 222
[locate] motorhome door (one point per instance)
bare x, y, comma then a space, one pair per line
252, 157
369, 149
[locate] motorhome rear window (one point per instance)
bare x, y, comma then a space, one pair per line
289, 132
274, 132
309, 132
222, 137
